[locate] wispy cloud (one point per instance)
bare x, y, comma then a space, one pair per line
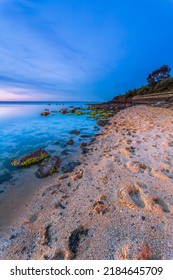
77, 49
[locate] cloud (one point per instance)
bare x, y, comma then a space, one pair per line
48, 53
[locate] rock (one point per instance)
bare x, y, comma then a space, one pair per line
96, 128
72, 111
45, 113
31, 158
74, 240
79, 113
84, 151
75, 131
48, 167
63, 111
83, 144
102, 122
70, 142
70, 166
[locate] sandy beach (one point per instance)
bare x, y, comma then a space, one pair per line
118, 204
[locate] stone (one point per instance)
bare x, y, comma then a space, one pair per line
102, 122
45, 113
70, 142
48, 167
75, 131
63, 111
83, 144
31, 158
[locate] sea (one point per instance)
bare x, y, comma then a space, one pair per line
23, 130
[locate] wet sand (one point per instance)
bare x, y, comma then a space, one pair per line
118, 204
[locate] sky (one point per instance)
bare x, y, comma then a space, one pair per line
81, 50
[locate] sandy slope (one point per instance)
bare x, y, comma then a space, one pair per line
117, 205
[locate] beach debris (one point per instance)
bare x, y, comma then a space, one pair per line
48, 167
70, 141
75, 131
70, 166
31, 158
75, 238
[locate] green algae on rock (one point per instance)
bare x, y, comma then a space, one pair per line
48, 167
31, 158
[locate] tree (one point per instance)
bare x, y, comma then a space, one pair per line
159, 75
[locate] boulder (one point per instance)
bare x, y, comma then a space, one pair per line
48, 167
31, 158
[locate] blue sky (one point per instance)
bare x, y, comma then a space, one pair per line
81, 49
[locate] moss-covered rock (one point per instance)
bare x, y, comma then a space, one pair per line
31, 158
79, 113
48, 167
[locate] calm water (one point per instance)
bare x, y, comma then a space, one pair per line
23, 129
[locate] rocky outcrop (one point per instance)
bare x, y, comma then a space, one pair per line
31, 158
48, 167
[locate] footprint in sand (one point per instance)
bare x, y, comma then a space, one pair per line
132, 197
138, 167
159, 201
164, 174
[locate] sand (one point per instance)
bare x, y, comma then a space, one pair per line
118, 204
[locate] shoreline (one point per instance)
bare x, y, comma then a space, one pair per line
116, 205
